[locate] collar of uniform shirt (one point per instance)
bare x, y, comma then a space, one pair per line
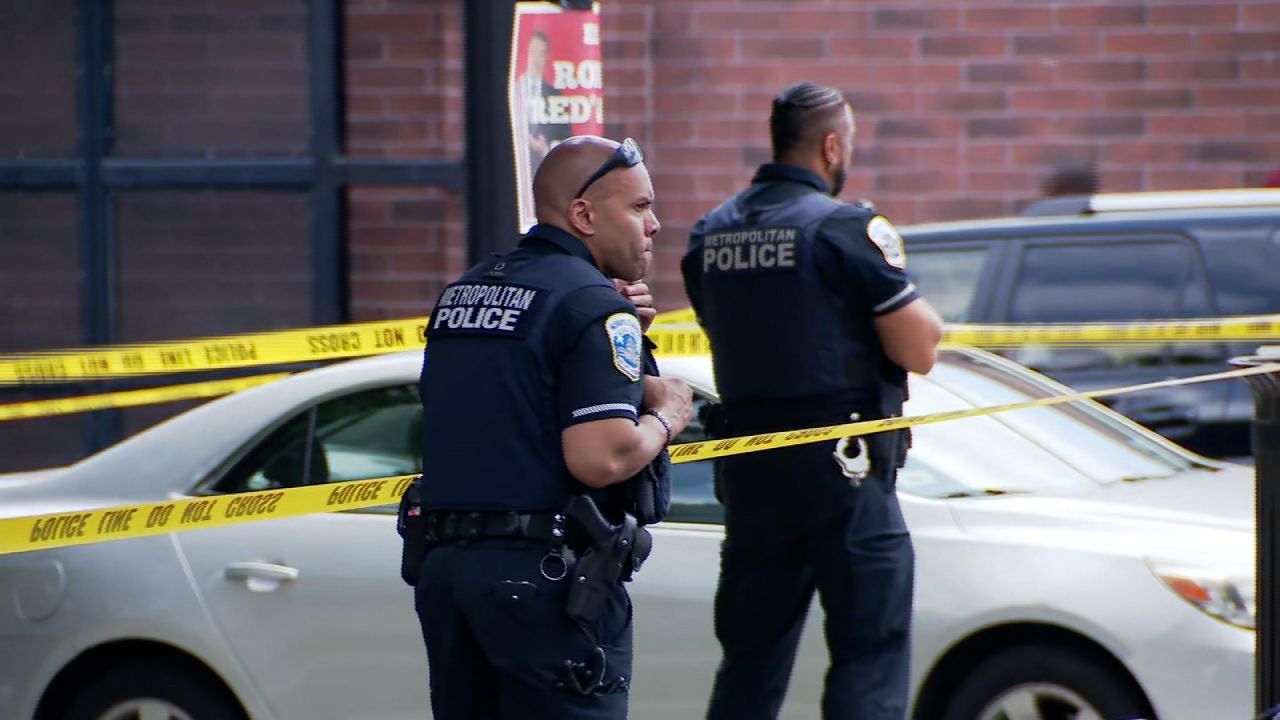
773, 172
561, 239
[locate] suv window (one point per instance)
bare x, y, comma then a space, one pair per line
1242, 267
369, 434
949, 279
1120, 281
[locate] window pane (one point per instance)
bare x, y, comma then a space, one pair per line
1243, 266
211, 79
37, 52
1084, 283
39, 278
948, 279
212, 263
693, 496
1097, 283
955, 458
39, 284
372, 434
279, 461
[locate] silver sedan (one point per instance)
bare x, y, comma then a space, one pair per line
1070, 565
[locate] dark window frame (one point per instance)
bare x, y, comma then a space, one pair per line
324, 172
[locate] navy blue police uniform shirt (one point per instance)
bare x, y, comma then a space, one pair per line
787, 281
521, 347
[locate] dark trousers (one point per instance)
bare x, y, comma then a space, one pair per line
500, 644
795, 525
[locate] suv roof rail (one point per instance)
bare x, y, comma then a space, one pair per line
1172, 200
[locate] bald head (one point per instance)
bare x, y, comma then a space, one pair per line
563, 171
614, 216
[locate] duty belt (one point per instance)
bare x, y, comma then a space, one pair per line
450, 526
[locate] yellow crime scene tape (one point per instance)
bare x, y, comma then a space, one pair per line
332, 342
688, 339
337, 342
1214, 330
132, 398
87, 526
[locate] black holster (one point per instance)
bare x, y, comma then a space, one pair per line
613, 553
648, 493
412, 528
891, 447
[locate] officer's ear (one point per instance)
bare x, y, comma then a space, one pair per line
831, 150
581, 217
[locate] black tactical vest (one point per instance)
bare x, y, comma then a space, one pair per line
491, 364
766, 305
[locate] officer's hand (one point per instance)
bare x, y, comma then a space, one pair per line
672, 398
639, 295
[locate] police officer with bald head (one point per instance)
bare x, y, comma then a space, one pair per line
544, 424
812, 321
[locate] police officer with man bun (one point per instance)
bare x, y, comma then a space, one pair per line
812, 321
539, 422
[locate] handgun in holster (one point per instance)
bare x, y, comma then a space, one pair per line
715, 423
412, 528
648, 492
893, 445
613, 554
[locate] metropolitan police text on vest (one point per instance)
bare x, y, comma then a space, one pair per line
759, 249
487, 307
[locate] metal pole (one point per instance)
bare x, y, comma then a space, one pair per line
328, 205
97, 232
491, 176
1266, 454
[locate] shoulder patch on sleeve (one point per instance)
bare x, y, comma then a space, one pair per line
624, 339
881, 232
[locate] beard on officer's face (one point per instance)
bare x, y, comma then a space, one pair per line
837, 182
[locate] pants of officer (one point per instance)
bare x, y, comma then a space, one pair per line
500, 644
794, 524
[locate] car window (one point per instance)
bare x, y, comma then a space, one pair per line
369, 434
1242, 268
1095, 441
1122, 281
693, 497
948, 279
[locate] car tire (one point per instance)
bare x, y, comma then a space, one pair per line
1060, 684
127, 691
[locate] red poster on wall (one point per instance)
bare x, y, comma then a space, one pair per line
555, 90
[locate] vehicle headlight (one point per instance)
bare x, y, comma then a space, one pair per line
1228, 595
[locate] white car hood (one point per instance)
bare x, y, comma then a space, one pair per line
44, 492
1194, 515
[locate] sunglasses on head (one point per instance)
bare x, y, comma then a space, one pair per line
627, 155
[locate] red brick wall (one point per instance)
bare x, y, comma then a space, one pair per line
961, 106
404, 81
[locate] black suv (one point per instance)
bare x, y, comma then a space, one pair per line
1120, 258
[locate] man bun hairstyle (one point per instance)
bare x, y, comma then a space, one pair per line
794, 110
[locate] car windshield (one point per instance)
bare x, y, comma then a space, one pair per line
1032, 450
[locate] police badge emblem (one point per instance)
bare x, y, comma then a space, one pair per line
624, 338
886, 237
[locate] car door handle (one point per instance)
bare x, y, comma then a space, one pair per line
261, 571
